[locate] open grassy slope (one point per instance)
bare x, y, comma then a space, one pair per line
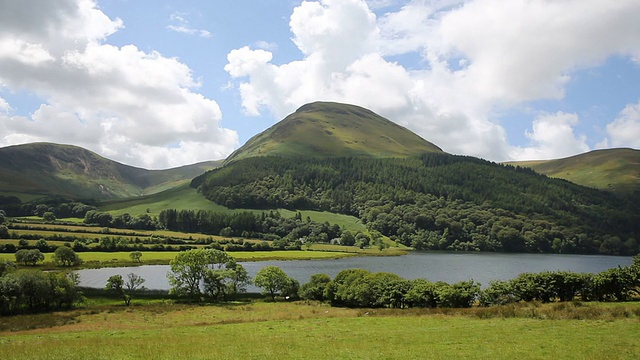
324, 129
40, 169
616, 170
184, 197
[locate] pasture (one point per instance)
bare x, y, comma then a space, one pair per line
164, 329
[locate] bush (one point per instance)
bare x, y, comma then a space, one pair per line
422, 293
498, 293
314, 289
458, 295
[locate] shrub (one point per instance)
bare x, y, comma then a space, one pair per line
314, 289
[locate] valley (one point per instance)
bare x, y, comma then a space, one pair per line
330, 181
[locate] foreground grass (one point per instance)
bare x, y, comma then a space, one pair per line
258, 330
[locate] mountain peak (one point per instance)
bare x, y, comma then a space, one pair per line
329, 129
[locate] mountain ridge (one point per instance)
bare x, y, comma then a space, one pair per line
41, 169
616, 170
326, 129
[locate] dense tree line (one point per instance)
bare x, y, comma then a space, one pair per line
437, 201
103, 244
269, 225
59, 206
123, 221
361, 288
27, 291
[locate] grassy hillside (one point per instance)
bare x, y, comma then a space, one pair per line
437, 201
40, 169
324, 129
187, 198
616, 170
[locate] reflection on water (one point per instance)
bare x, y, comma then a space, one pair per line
433, 266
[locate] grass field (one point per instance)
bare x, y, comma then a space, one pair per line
187, 198
108, 259
181, 197
50, 229
115, 259
259, 330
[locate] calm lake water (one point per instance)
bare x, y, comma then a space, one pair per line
448, 267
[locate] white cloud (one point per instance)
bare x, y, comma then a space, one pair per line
182, 25
552, 137
380, 4
137, 107
4, 106
625, 130
265, 45
189, 30
479, 57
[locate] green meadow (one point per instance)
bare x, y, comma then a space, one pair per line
187, 198
308, 330
121, 258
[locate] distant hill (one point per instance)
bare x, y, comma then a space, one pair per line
41, 169
616, 170
326, 129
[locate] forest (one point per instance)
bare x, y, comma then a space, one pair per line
437, 202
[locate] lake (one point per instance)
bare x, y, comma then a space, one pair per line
433, 266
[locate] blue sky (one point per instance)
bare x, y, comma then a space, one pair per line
165, 83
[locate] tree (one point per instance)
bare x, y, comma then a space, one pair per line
187, 270
215, 283
272, 280
381, 244
65, 256
116, 283
215, 269
29, 290
238, 277
362, 240
290, 289
42, 245
135, 256
6, 267
349, 288
29, 257
347, 238
132, 284
49, 216
4, 232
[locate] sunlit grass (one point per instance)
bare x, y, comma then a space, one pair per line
122, 258
391, 251
259, 330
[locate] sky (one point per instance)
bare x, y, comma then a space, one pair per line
163, 83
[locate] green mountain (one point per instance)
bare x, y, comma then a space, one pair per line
616, 170
41, 169
325, 129
347, 160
